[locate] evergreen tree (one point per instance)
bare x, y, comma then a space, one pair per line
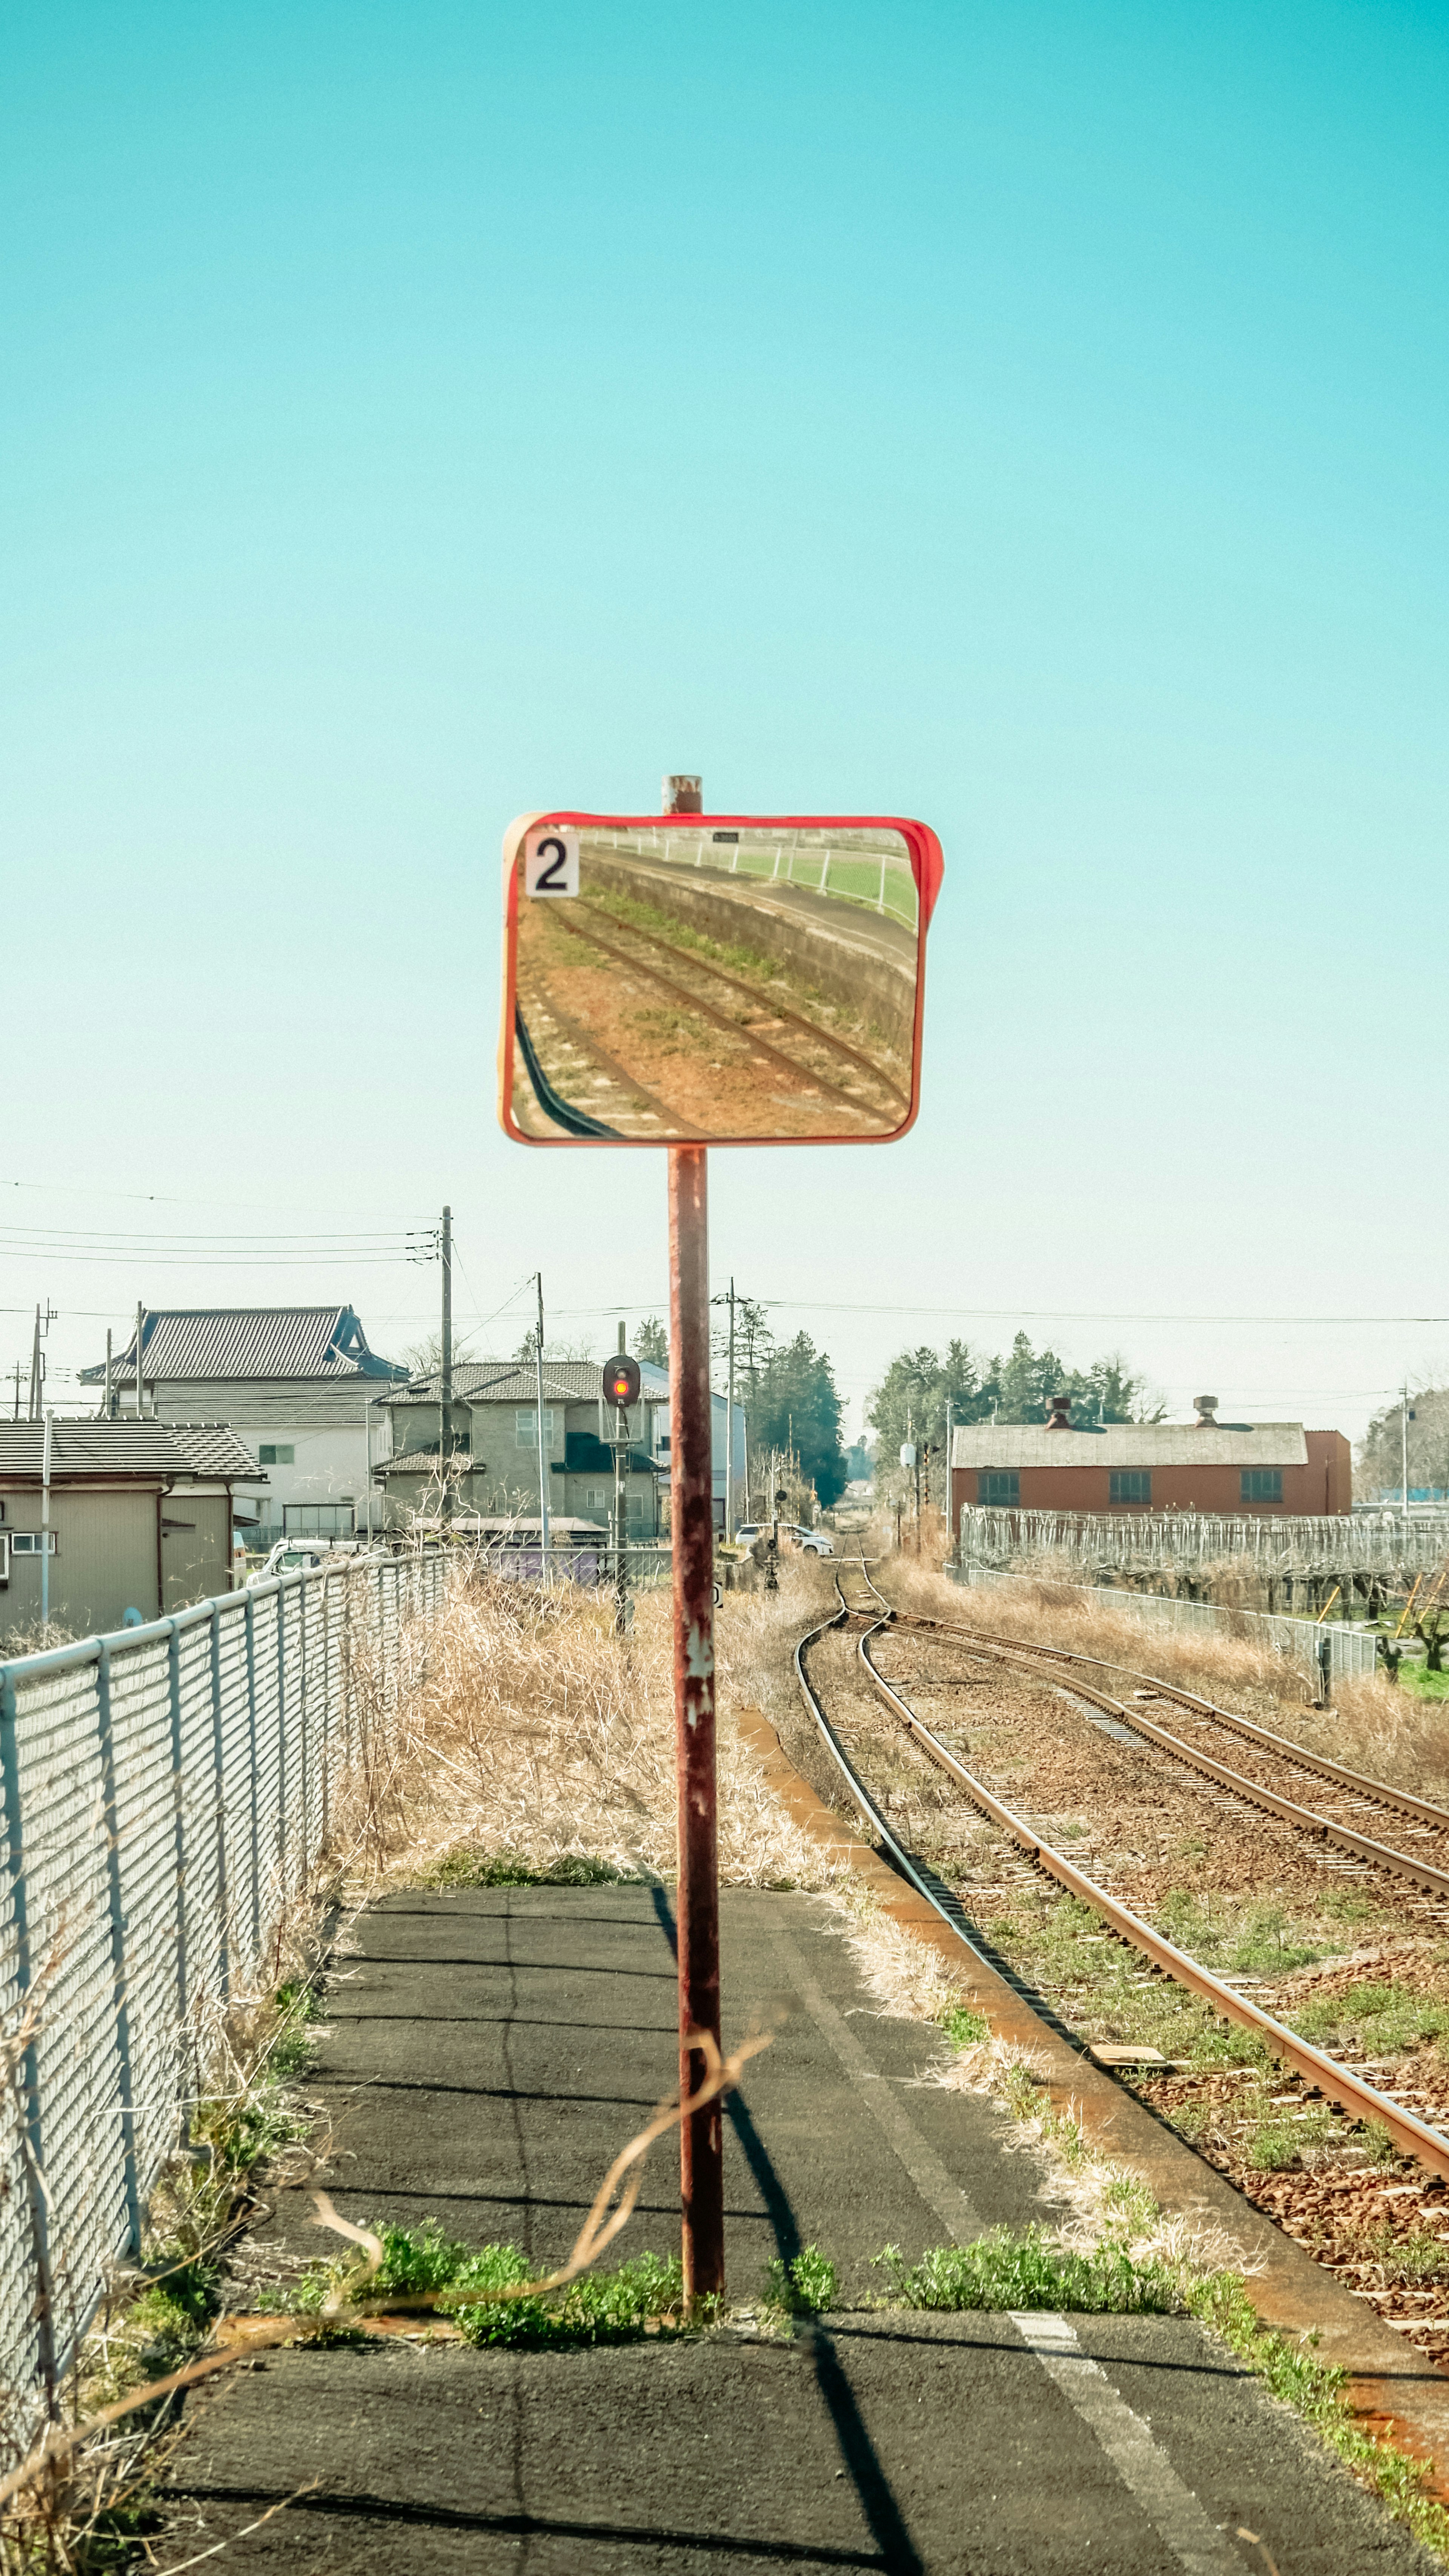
792, 1403
917, 1386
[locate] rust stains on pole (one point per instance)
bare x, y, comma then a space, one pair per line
691, 1516
691, 1529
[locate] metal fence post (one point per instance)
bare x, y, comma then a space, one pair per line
30, 2082
218, 1764
178, 1793
251, 1621
349, 1673
302, 1716
326, 1701
281, 1601
118, 1943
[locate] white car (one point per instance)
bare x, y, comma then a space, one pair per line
811, 1542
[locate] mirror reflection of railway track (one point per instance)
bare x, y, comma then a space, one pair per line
865, 1612
818, 1051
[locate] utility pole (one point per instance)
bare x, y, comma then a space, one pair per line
17, 1373
542, 1444
728, 1298
1404, 1447
45, 1526
445, 1383
108, 1374
35, 1369
140, 1337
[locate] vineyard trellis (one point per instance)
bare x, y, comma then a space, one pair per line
1362, 1546
166, 1793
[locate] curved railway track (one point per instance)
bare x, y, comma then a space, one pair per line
1359, 2099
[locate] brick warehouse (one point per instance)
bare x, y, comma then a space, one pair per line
1201, 1466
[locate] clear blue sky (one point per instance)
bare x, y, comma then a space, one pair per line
1030, 417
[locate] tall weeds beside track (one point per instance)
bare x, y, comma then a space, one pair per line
526, 1728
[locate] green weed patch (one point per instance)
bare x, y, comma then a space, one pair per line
1003, 2270
511, 1869
1377, 2014
803, 2286
461, 2282
1293, 2372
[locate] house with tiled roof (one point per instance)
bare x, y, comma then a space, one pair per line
139, 1516
492, 1448
492, 1463
294, 1382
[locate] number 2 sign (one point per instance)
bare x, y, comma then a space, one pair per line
551, 861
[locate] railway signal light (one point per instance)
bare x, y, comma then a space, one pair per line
621, 1380
823, 920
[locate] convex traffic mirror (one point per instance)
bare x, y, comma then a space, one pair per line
714, 979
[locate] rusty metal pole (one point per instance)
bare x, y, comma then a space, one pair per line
691, 1529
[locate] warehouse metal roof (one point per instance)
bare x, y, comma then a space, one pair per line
165, 1452
1129, 1444
207, 1343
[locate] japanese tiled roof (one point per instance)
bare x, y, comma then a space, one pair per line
207, 1343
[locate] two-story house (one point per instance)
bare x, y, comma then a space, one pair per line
493, 1445
492, 1460
295, 1382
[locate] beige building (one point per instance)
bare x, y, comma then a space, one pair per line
140, 1519
297, 1382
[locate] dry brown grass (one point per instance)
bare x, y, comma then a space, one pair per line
525, 1727
1372, 1725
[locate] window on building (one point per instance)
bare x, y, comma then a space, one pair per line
1262, 1485
318, 1520
33, 1542
597, 1498
525, 1429
1129, 1485
999, 1485
277, 1453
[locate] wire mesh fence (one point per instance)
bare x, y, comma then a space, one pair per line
166, 1794
1329, 1651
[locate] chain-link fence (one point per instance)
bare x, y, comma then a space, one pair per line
166, 1792
1331, 1651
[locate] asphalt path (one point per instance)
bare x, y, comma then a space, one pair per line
488, 2052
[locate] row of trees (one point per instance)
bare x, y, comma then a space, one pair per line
911, 1400
791, 1405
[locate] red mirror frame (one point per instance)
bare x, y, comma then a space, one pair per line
928, 867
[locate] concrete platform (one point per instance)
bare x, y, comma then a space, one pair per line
490, 2050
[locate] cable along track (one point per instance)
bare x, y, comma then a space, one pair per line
1412, 2136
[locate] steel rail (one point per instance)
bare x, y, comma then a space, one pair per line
777, 1010
1402, 1801
761, 1047
857, 1788
1431, 1881
1363, 2101
1420, 1873
1378, 1792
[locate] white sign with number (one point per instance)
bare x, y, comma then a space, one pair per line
551, 861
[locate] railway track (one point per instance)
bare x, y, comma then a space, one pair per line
822, 1061
870, 1618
